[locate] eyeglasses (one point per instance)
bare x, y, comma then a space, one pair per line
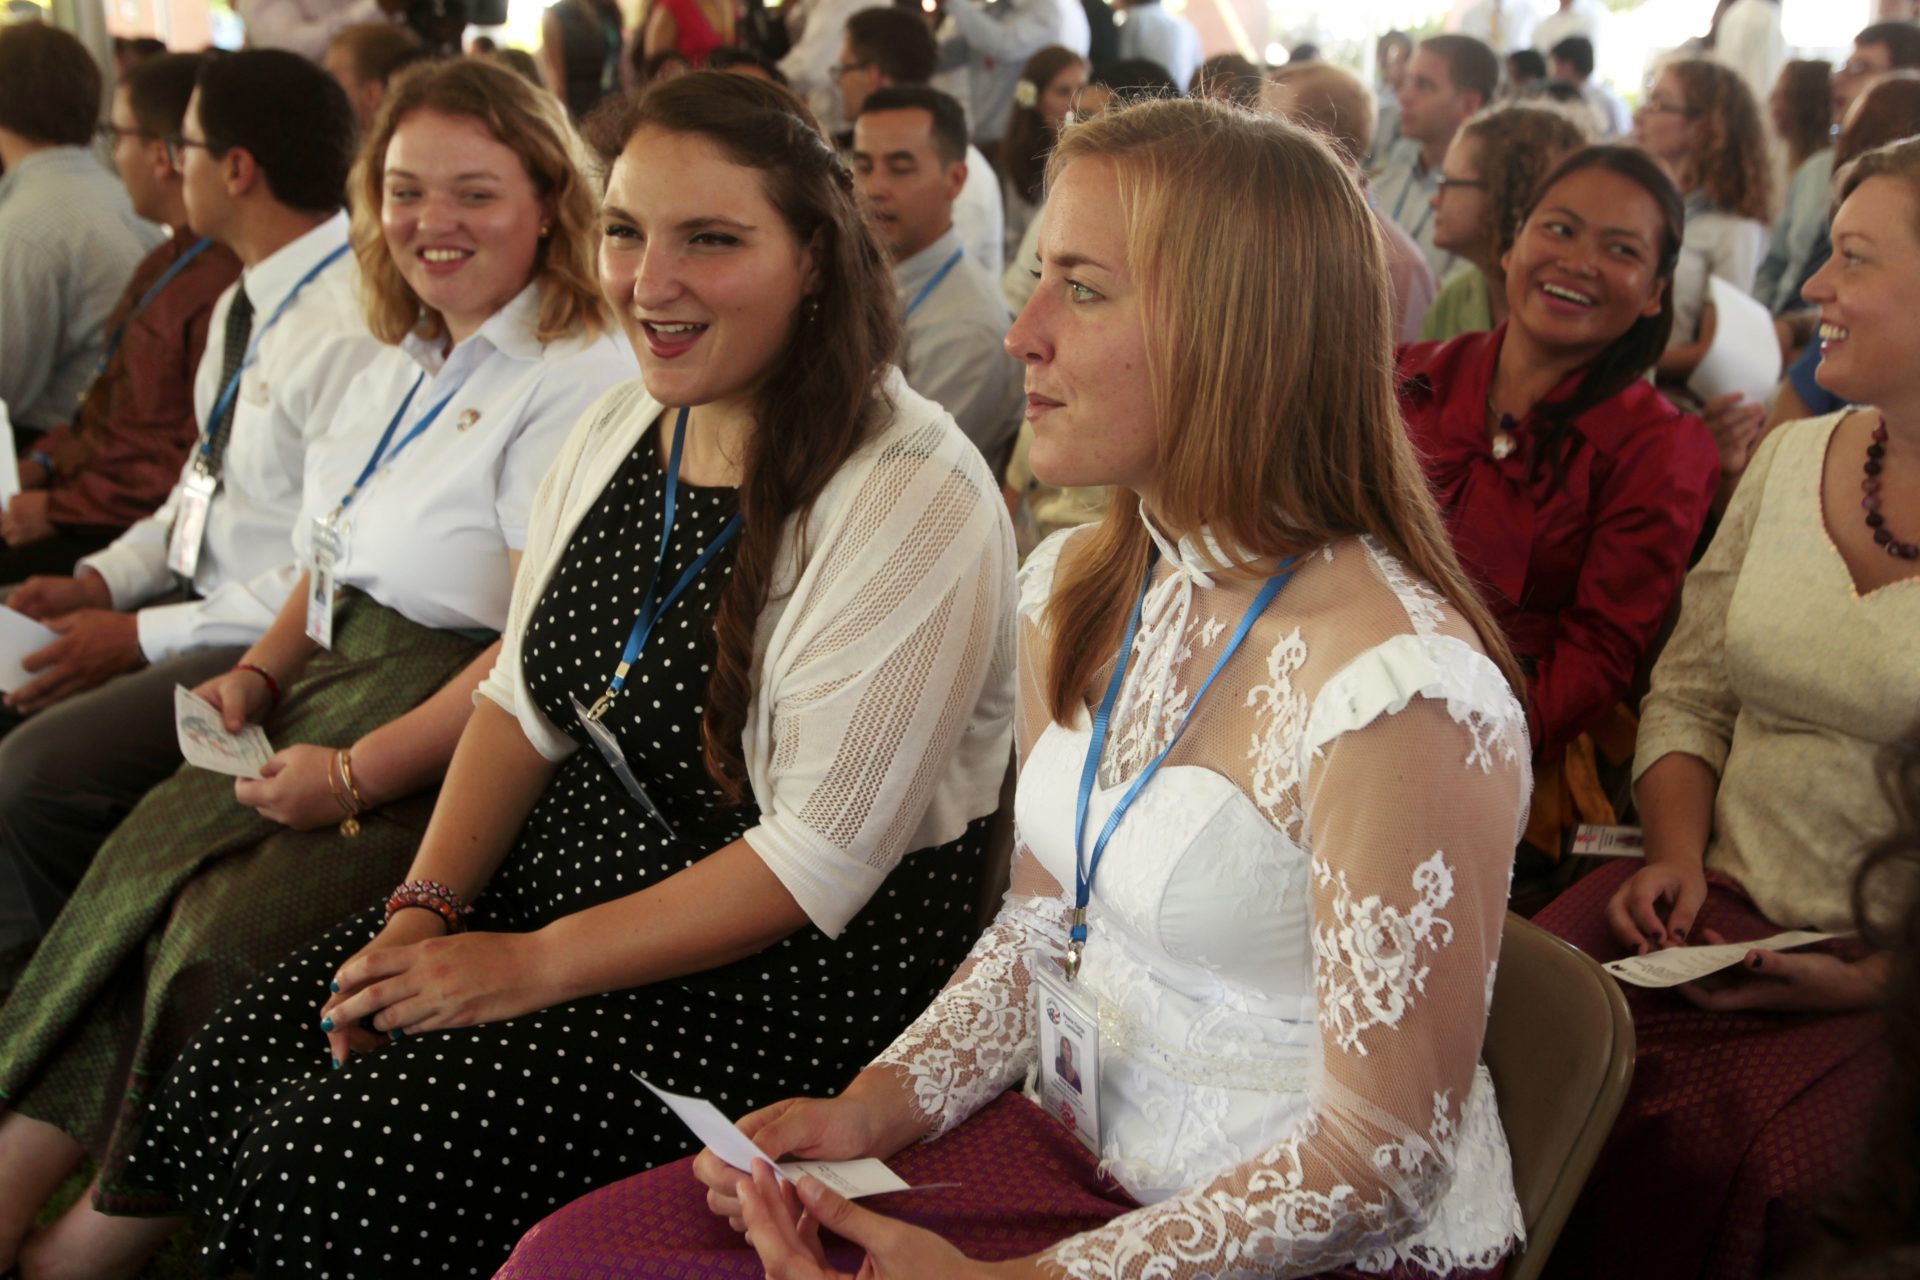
1445, 183
1661, 107
112, 133
839, 69
1859, 67
178, 145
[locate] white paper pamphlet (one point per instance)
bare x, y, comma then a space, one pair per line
1676, 965
1745, 355
1593, 841
205, 742
851, 1178
20, 638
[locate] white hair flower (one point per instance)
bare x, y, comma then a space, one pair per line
1026, 93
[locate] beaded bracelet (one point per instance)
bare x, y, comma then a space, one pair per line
429, 895
273, 686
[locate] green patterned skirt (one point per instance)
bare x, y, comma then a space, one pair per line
194, 895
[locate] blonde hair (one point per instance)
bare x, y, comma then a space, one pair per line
1272, 351
1328, 99
1897, 160
532, 122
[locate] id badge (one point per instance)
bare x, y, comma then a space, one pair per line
329, 544
616, 759
1069, 1074
190, 522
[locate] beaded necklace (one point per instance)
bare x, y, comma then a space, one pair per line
1870, 498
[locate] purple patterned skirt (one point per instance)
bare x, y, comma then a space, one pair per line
1737, 1124
1025, 1184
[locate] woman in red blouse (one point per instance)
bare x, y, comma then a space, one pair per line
1574, 491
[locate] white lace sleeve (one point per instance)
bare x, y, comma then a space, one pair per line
1411, 822
977, 1038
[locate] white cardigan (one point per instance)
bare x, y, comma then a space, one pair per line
881, 717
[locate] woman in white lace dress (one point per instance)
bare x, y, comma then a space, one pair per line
1291, 935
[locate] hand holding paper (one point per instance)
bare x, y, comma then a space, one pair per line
205, 742
851, 1178
1676, 965
20, 637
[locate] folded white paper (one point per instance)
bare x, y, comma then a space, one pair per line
205, 742
1676, 965
851, 1178
1745, 354
20, 638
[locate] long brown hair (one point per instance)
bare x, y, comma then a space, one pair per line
531, 122
1281, 445
825, 389
1029, 140
1729, 165
1806, 92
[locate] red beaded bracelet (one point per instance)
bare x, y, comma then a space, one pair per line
273, 686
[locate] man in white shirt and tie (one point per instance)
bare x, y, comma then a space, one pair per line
264, 151
909, 148
1148, 31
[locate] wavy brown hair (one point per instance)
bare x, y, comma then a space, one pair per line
530, 121
1806, 109
825, 389
1520, 142
1029, 140
1274, 444
1729, 163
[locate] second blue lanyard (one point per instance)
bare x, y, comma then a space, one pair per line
1085, 865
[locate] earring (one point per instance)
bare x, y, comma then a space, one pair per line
813, 307
545, 227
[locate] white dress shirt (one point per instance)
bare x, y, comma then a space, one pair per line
1750, 40
999, 40
954, 353
303, 26
428, 534
1404, 192
1506, 25
1149, 31
1582, 19
287, 399
978, 217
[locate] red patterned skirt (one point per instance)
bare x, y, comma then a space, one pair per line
1737, 1125
1025, 1184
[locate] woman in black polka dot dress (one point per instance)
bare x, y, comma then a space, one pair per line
744, 938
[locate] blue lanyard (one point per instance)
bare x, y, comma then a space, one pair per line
1084, 867
253, 350
380, 455
120, 330
652, 611
934, 283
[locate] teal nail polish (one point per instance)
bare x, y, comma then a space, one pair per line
333, 987
326, 1024
398, 1034
336, 1063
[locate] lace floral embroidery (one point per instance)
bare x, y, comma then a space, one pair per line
1275, 750
977, 1037
1374, 956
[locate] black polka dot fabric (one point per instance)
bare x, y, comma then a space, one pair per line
434, 1154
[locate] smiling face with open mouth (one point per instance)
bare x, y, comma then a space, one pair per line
1584, 267
702, 270
461, 217
1865, 293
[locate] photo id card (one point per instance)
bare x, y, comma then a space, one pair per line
616, 759
190, 522
329, 544
1069, 1061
